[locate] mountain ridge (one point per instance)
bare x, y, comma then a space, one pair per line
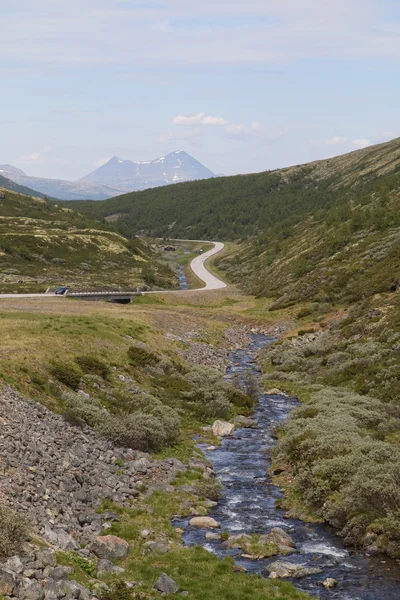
114, 178
242, 206
175, 167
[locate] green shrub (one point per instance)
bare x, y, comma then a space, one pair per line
143, 431
68, 374
93, 366
140, 357
14, 531
118, 591
79, 410
209, 488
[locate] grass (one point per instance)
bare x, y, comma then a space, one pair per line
194, 569
36, 333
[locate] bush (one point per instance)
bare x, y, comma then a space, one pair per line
246, 382
68, 374
209, 488
79, 410
14, 531
149, 426
118, 591
93, 366
140, 357
143, 431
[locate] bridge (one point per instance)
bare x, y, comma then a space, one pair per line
96, 295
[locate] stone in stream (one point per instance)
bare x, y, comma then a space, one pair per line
166, 585
204, 523
213, 536
329, 583
281, 538
222, 428
281, 569
276, 392
242, 421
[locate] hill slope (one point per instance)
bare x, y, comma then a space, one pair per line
43, 245
243, 206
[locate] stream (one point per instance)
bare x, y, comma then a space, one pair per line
248, 505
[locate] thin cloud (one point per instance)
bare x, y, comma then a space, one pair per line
361, 143
336, 141
198, 119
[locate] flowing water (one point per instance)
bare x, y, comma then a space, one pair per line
183, 284
248, 505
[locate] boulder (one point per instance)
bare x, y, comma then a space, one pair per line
31, 591
159, 547
14, 564
204, 523
242, 421
281, 538
222, 428
212, 536
60, 538
7, 582
329, 583
276, 391
106, 566
283, 569
59, 573
166, 585
109, 547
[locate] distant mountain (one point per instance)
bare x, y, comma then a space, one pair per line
130, 176
114, 178
58, 188
7, 184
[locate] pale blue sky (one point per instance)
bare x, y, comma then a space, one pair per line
243, 86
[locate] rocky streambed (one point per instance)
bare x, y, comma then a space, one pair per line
248, 506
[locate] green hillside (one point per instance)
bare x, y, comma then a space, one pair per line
236, 208
43, 245
341, 254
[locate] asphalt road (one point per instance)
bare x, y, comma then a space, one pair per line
197, 265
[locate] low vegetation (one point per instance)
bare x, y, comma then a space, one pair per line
43, 245
14, 531
340, 450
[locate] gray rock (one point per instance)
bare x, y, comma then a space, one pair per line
242, 421
60, 538
283, 569
61, 573
166, 585
109, 547
329, 583
14, 564
281, 537
7, 582
106, 566
159, 547
31, 591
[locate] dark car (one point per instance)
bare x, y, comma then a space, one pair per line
61, 291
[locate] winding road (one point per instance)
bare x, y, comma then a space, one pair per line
197, 265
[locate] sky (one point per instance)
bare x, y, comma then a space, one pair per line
243, 86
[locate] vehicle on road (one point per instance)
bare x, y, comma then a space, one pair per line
61, 291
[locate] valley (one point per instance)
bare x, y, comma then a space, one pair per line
137, 419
